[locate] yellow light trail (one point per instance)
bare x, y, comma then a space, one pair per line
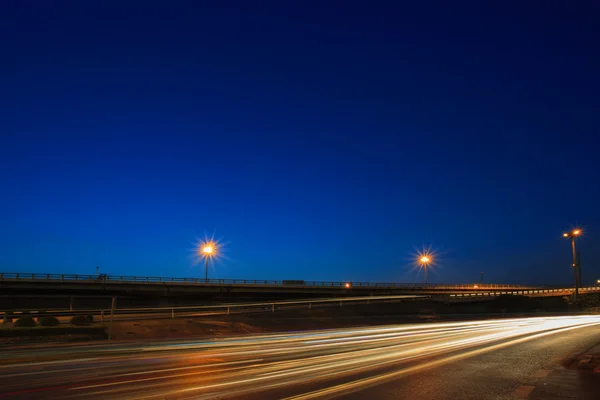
241, 366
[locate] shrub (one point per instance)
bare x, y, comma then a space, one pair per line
49, 321
82, 320
25, 321
583, 301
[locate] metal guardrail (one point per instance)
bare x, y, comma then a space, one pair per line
134, 314
138, 314
103, 279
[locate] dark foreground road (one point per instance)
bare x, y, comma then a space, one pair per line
494, 359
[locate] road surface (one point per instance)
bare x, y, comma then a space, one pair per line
490, 359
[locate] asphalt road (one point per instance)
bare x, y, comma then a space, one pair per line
491, 359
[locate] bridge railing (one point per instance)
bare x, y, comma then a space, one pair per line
100, 279
528, 292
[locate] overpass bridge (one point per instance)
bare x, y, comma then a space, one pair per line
112, 285
74, 291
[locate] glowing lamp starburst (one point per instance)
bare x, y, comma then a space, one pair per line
424, 259
208, 251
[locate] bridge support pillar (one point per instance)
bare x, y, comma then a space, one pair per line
113, 305
71, 303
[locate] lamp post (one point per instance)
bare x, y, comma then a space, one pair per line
207, 252
425, 260
576, 267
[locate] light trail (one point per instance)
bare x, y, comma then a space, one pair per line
353, 359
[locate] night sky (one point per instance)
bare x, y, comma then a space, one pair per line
323, 140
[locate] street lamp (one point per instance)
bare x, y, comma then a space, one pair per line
424, 261
208, 251
576, 267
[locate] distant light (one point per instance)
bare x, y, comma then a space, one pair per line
565, 234
207, 249
425, 259
476, 287
347, 285
576, 232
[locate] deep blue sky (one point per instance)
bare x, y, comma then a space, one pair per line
322, 140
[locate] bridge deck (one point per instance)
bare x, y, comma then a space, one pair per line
160, 286
114, 279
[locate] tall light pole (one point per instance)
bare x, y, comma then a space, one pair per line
576, 267
425, 260
207, 251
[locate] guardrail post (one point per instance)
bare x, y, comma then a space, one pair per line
272, 307
101, 315
309, 306
340, 303
227, 310
172, 313
72, 300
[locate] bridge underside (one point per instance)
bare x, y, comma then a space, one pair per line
79, 295
254, 291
